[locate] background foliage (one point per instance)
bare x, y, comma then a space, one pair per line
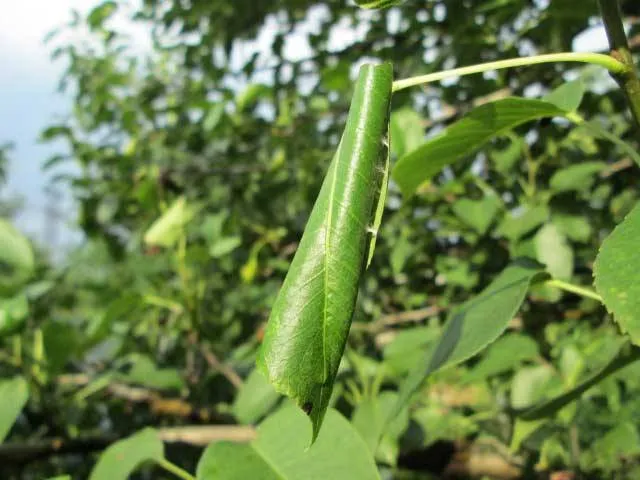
196, 167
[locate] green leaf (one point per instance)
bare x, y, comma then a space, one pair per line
617, 274
101, 13
465, 136
143, 371
436, 425
224, 246
408, 346
567, 96
213, 117
517, 224
574, 227
553, 250
61, 342
505, 159
529, 385
14, 394
623, 441
622, 357
378, 4
281, 452
255, 398
596, 130
475, 324
13, 313
401, 252
507, 353
522, 430
576, 177
167, 229
369, 418
250, 96
123, 457
406, 131
478, 214
310, 320
16, 258
121, 308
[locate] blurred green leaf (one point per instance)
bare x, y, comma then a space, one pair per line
282, 451
517, 224
465, 136
213, 117
123, 457
549, 406
14, 394
250, 96
369, 419
475, 324
576, 177
529, 385
553, 250
224, 246
574, 227
101, 13
255, 398
408, 347
622, 441
143, 371
17, 262
378, 4
507, 353
617, 274
167, 229
406, 131
13, 313
478, 214
567, 96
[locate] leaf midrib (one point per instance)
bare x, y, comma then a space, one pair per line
327, 246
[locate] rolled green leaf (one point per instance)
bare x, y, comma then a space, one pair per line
309, 324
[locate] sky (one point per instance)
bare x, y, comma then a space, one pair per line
29, 102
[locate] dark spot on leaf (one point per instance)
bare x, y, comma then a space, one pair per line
307, 407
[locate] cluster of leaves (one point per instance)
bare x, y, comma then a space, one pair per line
196, 171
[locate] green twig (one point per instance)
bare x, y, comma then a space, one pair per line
628, 78
175, 469
567, 287
610, 63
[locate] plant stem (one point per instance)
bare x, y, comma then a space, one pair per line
628, 78
610, 63
175, 469
583, 292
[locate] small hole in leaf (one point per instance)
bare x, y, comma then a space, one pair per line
307, 407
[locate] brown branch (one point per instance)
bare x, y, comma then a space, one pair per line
197, 435
215, 363
203, 435
480, 464
616, 167
159, 405
393, 319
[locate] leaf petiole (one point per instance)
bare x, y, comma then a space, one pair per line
567, 287
175, 469
606, 61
